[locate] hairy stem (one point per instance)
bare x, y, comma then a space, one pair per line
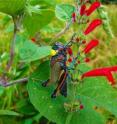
14, 82
63, 31
12, 49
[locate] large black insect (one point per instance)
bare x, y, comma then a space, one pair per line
59, 72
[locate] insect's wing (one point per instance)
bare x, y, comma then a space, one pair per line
55, 72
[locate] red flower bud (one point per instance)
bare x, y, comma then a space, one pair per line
81, 107
90, 46
82, 9
78, 62
33, 39
74, 17
69, 50
77, 39
92, 26
93, 7
70, 60
87, 60
84, 41
107, 72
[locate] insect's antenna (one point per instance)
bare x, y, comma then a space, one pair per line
71, 41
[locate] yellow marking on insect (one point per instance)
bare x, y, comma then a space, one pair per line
53, 52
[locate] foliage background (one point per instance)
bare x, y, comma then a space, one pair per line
16, 97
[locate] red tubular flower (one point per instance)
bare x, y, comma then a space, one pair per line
92, 26
113, 68
90, 46
82, 9
102, 72
110, 78
69, 50
93, 7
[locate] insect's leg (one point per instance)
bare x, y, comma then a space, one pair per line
60, 84
45, 83
63, 89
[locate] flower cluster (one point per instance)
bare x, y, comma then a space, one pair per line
85, 11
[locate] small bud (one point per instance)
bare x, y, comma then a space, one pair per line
69, 50
87, 60
78, 62
70, 60
84, 41
77, 39
87, 21
81, 107
74, 17
33, 39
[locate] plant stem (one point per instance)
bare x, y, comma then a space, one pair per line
14, 82
12, 49
68, 24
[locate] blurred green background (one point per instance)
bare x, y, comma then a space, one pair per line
16, 98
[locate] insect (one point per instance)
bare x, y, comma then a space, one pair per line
59, 71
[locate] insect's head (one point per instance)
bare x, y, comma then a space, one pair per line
58, 46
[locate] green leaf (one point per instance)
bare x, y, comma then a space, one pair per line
100, 93
12, 7
29, 51
33, 23
87, 116
64, 12
43, 2
25, 107
9, 112
53, 109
